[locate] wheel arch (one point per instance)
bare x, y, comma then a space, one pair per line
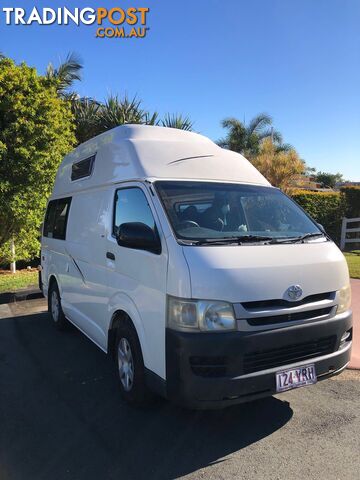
51, 278
126, 314
119, 317
52, 281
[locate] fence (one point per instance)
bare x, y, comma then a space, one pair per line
345, 230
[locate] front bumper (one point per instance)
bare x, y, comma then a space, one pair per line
229, 379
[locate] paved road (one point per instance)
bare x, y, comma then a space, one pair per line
61, 418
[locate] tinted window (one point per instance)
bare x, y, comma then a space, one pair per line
83, 168
49, 219
131, 206
56, 218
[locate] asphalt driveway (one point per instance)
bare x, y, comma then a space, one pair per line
61, 418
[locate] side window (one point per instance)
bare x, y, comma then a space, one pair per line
49, 219
131, 206
56, 218
83, 168
61, 216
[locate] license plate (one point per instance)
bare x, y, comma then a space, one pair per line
295, 377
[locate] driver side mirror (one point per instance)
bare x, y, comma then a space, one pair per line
321, 227
138, 236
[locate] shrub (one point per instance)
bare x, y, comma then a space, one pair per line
326, 208
279, 167
36, 131
352, 201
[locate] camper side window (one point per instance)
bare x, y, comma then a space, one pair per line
131, 206
49, 219
56, 218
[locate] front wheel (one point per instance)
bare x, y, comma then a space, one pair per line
130, 366
54, 307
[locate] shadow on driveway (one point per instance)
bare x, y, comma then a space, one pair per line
61, 416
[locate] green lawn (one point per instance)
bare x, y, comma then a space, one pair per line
10, 282
353, 259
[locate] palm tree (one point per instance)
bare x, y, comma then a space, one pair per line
66, 73
93, 118
177, 121
284, 147
246, 139
151, 119
119, 111
86, 113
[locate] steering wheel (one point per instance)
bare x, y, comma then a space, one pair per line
188, 224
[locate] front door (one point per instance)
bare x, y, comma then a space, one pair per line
137, 278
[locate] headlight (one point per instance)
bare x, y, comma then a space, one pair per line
344, 296
200, 315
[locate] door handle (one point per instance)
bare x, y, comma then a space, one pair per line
110, 256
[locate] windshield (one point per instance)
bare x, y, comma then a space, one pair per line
202, 212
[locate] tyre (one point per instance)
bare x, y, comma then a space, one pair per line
130, 366
54, 306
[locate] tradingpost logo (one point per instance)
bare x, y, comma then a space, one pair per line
115, 22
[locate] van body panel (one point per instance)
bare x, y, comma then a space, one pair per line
178, 282
264, 272
139, 279
143, 297
54, 263
84, 291
134, 152
121, 302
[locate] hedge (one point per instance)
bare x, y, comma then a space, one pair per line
326, 208
352, 201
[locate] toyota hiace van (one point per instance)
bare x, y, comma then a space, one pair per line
206, 284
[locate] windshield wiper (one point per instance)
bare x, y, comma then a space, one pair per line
237, 240
298, 239
241, 239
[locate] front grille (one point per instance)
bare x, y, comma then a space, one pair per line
208, 366
289, 317
276, 357
279, 303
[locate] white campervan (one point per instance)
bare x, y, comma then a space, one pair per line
208, 285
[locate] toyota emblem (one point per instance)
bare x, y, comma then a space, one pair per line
294, 292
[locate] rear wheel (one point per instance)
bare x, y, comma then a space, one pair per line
130, 366
55, 310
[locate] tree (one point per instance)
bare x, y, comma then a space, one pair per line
36, 131
310, 171
86, 113
278, 167
118, 111
177, 121
247, 139
328, 179
65, 74
93, 118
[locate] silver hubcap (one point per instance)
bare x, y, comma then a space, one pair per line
125, 364
55, 306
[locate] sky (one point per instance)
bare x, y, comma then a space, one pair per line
297, 60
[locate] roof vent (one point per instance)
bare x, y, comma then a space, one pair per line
83, 168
